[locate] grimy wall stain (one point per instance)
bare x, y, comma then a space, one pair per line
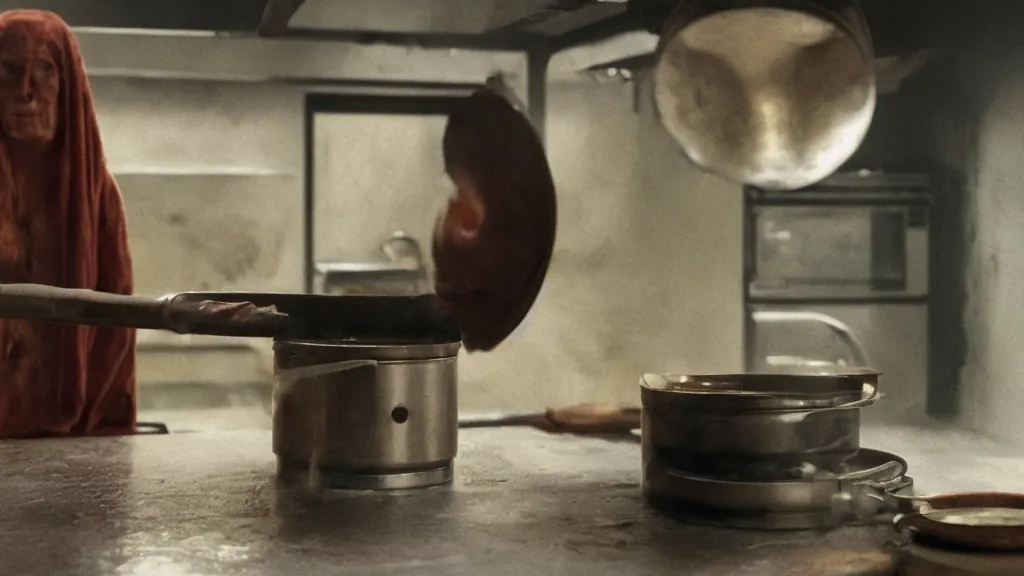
992, 383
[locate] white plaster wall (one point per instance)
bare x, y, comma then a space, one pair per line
993, 379
646, 270
375, 174
180, 149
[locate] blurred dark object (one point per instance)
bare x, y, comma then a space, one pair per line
493, 244
597, 419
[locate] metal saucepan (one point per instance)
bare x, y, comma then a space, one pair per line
754, 425
822, 499
773, 93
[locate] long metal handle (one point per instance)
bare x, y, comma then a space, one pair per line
184, 316
839, 328
74, 306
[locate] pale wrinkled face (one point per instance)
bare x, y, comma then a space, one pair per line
29, 93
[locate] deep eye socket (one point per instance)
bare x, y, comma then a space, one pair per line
43, 70
9, 72
39, 71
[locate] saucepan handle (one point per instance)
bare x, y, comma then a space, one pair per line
870, 500
887, 497
869, 395
908, 521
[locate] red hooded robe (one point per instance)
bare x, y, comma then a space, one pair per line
62, 380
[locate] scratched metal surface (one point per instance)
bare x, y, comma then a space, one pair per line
206, 504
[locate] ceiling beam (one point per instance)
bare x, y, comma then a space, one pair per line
629, 21
487, 42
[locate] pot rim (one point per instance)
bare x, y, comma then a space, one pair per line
385, 350
811, 385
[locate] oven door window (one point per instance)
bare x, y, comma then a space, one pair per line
838, 251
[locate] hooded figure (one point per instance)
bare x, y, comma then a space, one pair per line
61, 224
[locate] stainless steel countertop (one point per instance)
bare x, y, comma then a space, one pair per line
523, 504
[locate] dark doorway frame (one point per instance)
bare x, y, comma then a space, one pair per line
431, 99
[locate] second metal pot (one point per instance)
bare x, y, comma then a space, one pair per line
820, 501
736, 425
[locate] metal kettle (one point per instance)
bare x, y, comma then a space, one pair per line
772, 93
404, 273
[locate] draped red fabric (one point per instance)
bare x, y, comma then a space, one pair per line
61, 223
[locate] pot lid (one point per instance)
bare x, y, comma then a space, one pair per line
824, 383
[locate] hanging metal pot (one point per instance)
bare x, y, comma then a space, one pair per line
773, 93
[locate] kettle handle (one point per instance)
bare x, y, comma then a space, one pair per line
838, 327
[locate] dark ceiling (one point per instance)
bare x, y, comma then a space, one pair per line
228, 15
897, 25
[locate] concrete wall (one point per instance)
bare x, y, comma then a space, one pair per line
646, 270
993, 378
971, 127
